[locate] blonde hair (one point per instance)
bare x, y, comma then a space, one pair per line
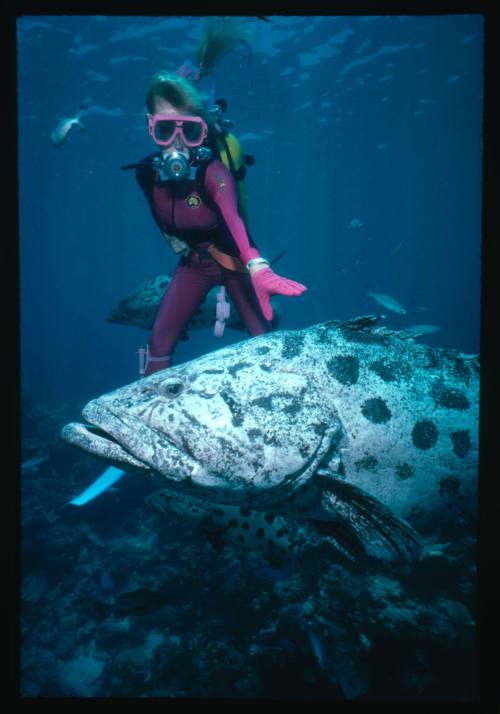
177, 90
219, 37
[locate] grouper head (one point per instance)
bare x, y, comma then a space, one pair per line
242, 424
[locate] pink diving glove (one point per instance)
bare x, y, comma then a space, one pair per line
267, 283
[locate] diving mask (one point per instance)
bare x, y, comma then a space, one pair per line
164, 128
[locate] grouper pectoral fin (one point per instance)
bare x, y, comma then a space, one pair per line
362, 525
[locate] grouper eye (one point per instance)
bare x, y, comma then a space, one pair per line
171, 389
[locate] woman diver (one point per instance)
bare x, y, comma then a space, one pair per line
198, 204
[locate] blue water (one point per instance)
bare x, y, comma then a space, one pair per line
353, 120
377, 118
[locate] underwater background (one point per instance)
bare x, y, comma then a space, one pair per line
367, 137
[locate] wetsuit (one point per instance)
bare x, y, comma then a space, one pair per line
202, 212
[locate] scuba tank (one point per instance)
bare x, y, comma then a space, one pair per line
232, 156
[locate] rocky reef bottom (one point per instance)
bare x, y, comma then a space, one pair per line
117, 601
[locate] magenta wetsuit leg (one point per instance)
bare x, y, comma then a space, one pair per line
242, 293
192, 280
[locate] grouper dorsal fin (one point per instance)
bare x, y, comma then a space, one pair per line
371, 526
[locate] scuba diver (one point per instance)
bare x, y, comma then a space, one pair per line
195, 190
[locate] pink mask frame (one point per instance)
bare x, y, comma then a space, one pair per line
178, 131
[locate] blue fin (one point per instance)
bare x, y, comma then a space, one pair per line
107, 479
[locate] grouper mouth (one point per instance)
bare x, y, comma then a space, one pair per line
97, 442
128, 441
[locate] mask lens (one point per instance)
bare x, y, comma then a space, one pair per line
164, 129
192, 131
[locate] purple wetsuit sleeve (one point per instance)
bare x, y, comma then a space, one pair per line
221, 188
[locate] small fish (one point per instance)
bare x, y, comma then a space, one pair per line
355, 223
139, 602
62, 130
423, 329
136, 602
387, 301
317, 648
33, 463
397, 248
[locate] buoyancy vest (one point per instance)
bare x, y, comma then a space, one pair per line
232, 156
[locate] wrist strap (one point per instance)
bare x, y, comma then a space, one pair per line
256, 261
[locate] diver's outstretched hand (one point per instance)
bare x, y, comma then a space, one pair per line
267, 283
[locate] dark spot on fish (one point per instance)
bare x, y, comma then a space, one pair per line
292, 345
234, 408
271, 440
236, 368
345, 369
233, 523
304, 451
171, 417
448, 397
369, 463
265, 368
218, 512
213, 370
240, 539
376, 410
390, 371
253, 434
404, 470
163, 283
280, 533
263, 403
270, 542
269, 518
432, 358
449, 486
260, 533
474, 365
295, 406
383, 369
365, 336
263, 350
424, 434
462, 370
245, 512
245, 525
461, 442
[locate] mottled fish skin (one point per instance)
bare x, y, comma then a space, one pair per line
341, 412
277, 537
140, 307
